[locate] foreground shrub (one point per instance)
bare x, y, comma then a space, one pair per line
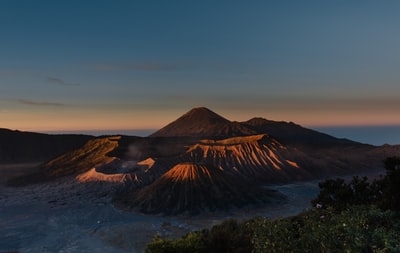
229, 236
383, 192
359, 229
190, 243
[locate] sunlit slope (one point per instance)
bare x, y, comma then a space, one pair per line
90, 155
257, 156
191, 188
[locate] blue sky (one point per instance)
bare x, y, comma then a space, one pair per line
97, 65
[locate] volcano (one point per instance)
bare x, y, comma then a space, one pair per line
204, 162
253, 157
203, 123
192, 188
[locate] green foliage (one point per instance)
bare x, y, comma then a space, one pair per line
383, 192
337, 194
392, 163
359, 216
359, 229
191, 243
159, 245
229, 236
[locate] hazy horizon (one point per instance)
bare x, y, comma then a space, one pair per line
374, 135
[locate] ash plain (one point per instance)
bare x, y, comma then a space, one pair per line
68, 216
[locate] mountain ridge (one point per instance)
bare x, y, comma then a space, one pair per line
201, 122
292, 133
199, 161
21, 147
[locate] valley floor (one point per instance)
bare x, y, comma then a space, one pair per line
67, 216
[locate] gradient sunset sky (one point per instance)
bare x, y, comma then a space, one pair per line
97, 65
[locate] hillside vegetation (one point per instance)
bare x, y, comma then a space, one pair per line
359, 216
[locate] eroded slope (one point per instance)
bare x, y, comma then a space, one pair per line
192, 188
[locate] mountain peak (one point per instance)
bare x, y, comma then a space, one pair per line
200, 109
201, 122
203, 114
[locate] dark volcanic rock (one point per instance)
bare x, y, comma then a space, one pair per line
291, 133
22, 147
191, 188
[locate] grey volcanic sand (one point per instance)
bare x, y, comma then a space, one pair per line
67, 216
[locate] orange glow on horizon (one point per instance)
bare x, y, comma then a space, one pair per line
108, 121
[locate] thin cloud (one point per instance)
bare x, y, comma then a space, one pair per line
39, 103
55, 80
137, 67
159, 66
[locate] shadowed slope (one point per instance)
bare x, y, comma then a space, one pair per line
191, 188
203, 123
23, 147
291, 133
92, 154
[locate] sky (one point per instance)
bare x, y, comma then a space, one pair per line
113, 65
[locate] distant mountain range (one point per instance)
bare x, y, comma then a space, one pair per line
202, 162
21, 147
204, 123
